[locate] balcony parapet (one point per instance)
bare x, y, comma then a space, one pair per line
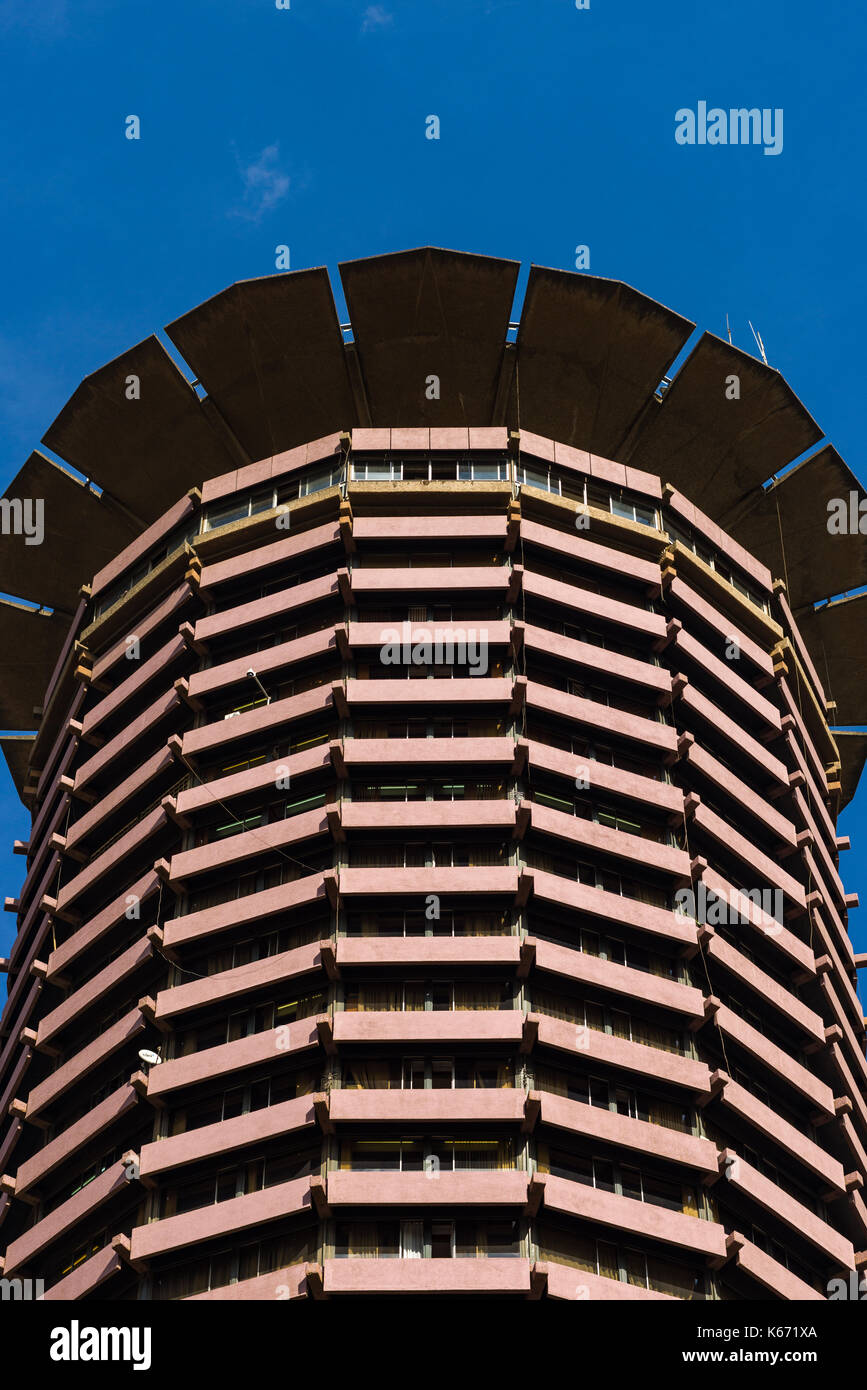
753, 1184
769, 1272
230, 1218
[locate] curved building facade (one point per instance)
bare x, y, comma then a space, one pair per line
433, 884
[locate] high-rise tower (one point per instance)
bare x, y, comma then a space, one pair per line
433, 881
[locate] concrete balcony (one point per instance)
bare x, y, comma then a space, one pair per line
411, 951
479, 1189
603, 777
783, 1000
262, 778
262, 557
76, 1004
235, 849
766, 869
460, 579
626, 616
93, 930
769, 771
649, 733
118, 748
723, 673
132, 789
601, 839
503, 1105
567, 1282
280, 1284
796, 952
215, 1141
68, 1142
850, 1086
427, 752
132, 842
231, 1218
437, 816
470, 882
628, 1215
228, 1059
769, 1272
478, 1026
683, 1000
599, 553
364, 635
784, 1067
410, 694
210, 921
719, 539
272, 607
635, 1058
70, 1073
139, 548
816, 760
487, 527
612, 908
694, 606
854, 1042
629, 1135
66, 1217
449, 1277
197, 743
589, 656
142, 673
173, 603
87, 1278
816, 786
227, 986
772, 1126
744, 795
227, 674
841, 975
753, 1184
822, 897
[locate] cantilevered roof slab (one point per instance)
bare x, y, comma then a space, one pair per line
591, 352
423, 313
836, 636
817, 563
270, 354
33, 641
717, 450
853, 755
82, 532
16, 750
140, 451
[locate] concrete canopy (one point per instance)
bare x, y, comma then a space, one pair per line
718, 450
36, 639
427, 312
270, 354
140, 451
16, 751
591, 352
836, 636
853, 755
82, 532
817, 564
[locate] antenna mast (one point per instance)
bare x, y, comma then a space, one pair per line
760, 345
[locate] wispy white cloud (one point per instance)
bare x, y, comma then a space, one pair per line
376, 17
265, 184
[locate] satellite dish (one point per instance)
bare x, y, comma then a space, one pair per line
150, 1059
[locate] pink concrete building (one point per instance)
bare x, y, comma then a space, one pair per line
433, 884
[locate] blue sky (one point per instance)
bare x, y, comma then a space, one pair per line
306, 127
